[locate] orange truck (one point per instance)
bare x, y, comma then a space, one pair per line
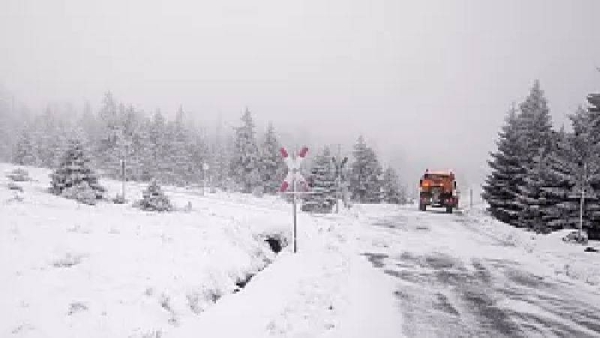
438, 189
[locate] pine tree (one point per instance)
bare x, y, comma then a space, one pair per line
220, 158
322, 197
273, 167
181, 164
24, 150
535, 130
108, 134
391, 187
531, 197
156, 162
561, 185
74, 178
502, 185
245, 165
365, 180
154, 199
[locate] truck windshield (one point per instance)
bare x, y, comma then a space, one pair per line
435, 177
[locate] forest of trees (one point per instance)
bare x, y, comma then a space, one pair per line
174, 151
538, 173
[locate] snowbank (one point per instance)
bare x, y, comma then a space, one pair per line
550, 252
73, 270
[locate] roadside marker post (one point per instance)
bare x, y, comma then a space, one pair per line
205, 168
293, 178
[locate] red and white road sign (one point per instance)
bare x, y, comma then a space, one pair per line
293, 165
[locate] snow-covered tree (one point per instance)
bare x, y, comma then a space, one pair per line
560, 188
392, 190
108, 134
245, 164
74, 178
154, 199
24, 151
273, 167
501, 188
182, 167
323, 190
220, 150
586, 159
535, 126
365, 178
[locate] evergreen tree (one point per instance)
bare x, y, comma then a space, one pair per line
531, 198
220, 157
365, 180
74, 178
24, 150
322, 197
273, 167
535, 133
245, 165
502, 185
181, 164
154, 199
156, 162
561, 185
391, 187
108, 134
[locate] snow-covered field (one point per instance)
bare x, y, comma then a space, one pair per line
71, 270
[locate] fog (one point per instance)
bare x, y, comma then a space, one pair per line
427, 83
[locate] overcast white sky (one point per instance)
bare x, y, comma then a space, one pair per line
427, 82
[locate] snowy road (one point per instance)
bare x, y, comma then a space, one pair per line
455, 280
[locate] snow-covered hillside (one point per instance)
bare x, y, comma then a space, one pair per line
114, 271
71, 270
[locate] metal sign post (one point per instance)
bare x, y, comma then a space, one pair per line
293, 178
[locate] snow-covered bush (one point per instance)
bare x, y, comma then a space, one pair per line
154, 199
258, 192
573, 237
82, 193
19, 175
15, 187
119, 199
74, 178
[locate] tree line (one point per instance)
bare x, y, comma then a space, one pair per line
538, 173
175, 152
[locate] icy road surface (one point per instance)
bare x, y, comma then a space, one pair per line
456, 280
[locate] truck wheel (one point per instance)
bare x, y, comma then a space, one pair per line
448, 210
422, 207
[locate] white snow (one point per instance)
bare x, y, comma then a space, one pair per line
548, 254
115, 271
73, 270
70, 270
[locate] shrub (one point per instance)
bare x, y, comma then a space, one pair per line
154, 199
19, 175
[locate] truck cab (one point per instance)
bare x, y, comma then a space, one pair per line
438, 189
